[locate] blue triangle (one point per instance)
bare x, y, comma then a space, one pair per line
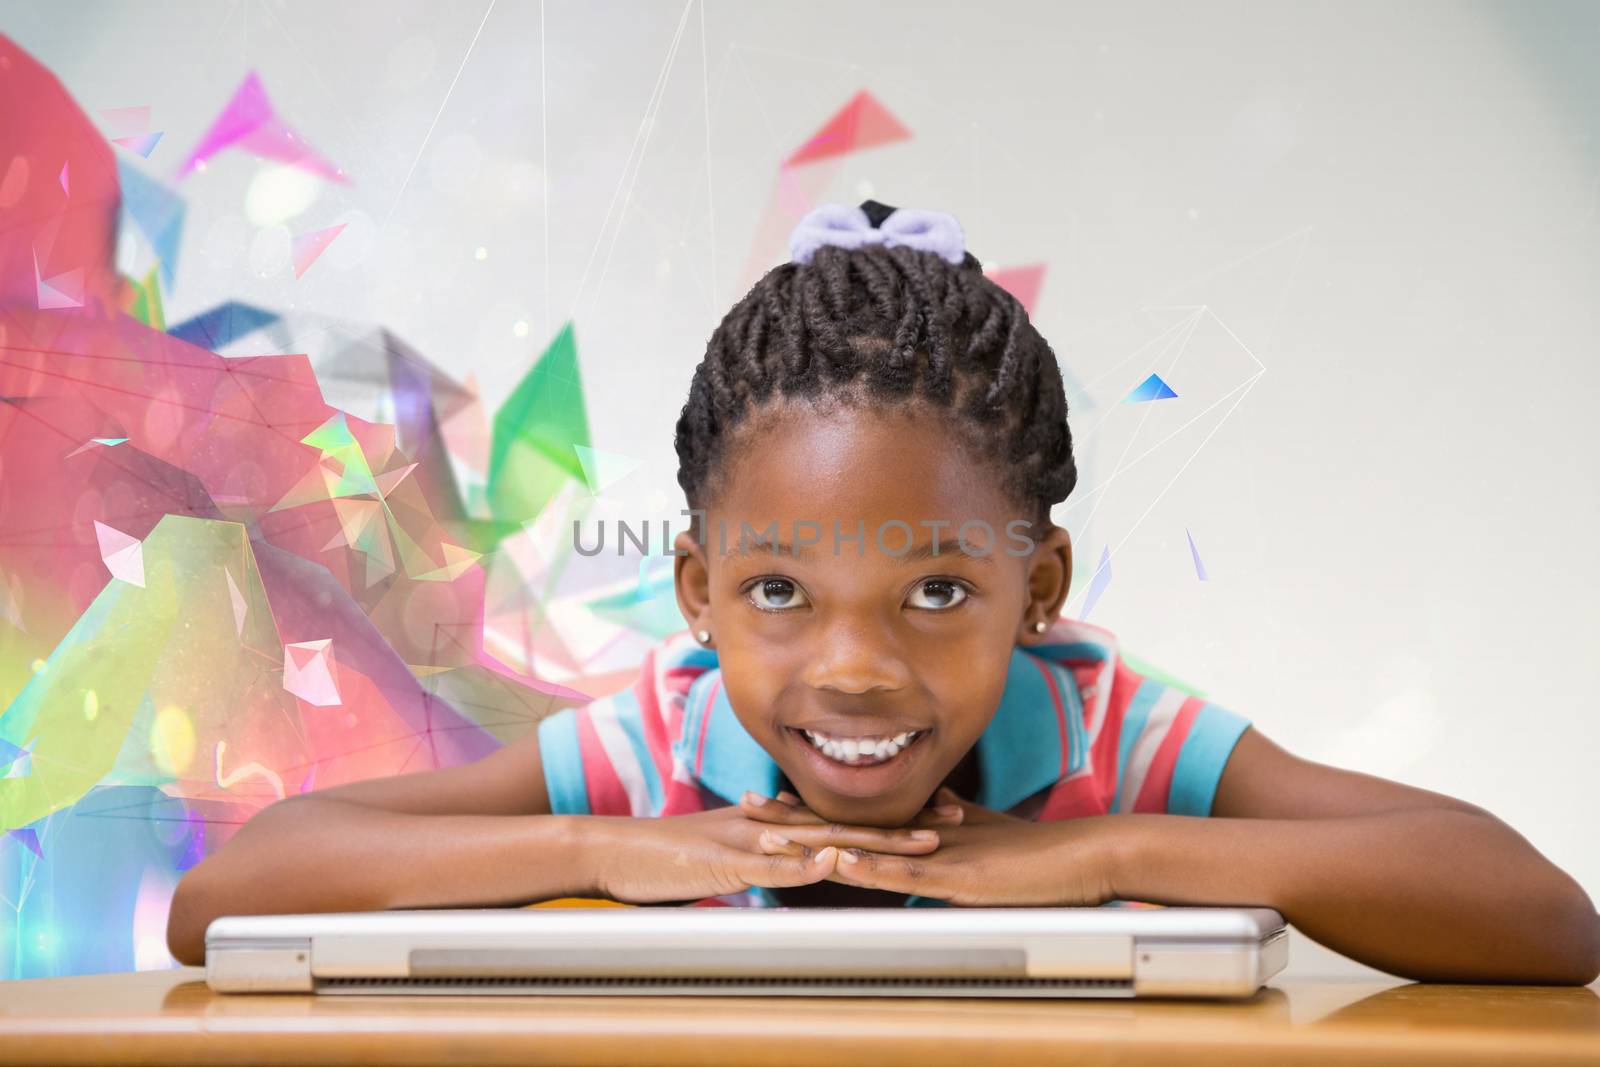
1152, 388
157, 211
222, 325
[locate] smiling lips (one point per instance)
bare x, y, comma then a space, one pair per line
861, 751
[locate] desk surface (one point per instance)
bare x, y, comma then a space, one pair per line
173, 1017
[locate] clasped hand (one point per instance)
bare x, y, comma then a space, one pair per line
982, 857
954, 850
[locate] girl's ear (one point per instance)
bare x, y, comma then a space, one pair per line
693, 581
1049, 579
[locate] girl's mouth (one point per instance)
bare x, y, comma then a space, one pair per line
860, 766
861, 751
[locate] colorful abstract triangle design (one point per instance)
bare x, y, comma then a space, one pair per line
1152, 388
249, 121
1021, 282
158, 213
533, 451
222, 325
1097, 584
308, 246
141, 145
862, 123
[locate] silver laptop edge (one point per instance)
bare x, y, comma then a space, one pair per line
987, 952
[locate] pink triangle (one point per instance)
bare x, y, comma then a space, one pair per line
142, 145
861, 123
62, 291
308, 246
126, 121
277, 140
308, 672
58, 291
64, 188
792, 199
247, 109
1021, 282
388, 481
304, 653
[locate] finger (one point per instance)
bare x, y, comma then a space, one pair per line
772, 843
779, 811
974, 812
898, 841
789, 798
772, 872
940, 815
946, 798
766, 809
756, 807
897, 874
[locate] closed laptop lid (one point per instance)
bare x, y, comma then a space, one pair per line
794, 945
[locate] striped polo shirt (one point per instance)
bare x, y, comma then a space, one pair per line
1077, 732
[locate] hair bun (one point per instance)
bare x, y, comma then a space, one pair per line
876, 212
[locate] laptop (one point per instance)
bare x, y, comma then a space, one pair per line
883, 952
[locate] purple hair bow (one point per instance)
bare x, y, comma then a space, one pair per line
844, 226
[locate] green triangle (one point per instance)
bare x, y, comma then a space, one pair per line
146, 306
535, 433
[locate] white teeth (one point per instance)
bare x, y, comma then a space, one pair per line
858, 751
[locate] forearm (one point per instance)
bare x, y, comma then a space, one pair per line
321, 855
1430, 894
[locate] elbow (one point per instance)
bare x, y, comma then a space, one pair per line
1586, 942
1573, 939
187, 920
1566, 948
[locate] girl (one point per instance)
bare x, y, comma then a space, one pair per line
876, 702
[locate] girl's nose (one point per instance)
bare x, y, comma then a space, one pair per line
851, 658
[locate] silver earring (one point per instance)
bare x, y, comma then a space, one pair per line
703, 636
1040, 627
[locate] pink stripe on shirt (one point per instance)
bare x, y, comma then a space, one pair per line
1158, 779
607, 796
705, 721
656, 737
1075, 797
1103, 747
678, 680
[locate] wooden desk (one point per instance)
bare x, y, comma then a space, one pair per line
173, 1017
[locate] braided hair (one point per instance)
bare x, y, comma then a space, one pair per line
883, 325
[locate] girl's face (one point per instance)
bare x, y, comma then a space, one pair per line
866, 666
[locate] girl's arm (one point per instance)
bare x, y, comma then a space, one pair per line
481, 835
1408, 881
429, 839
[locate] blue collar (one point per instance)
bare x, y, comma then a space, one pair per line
1039, 719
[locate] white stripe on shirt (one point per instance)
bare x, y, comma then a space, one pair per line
1156, 727
619, 750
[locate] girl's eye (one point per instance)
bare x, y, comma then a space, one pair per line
937, 594
776, 594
